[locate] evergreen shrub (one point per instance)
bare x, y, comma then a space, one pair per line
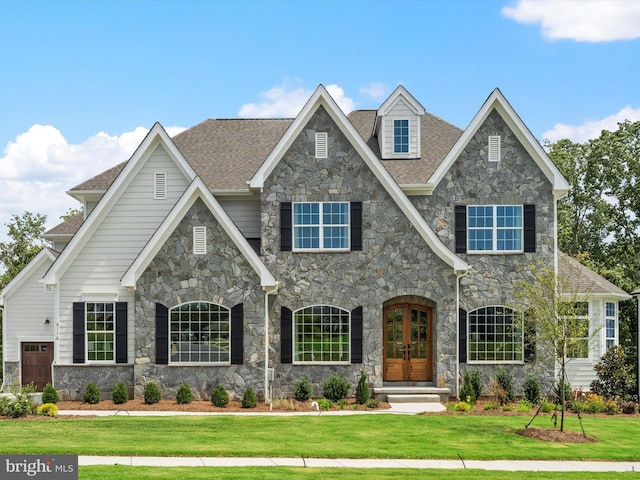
91, 394
532, 389
184, 395
49, 394
151, 394
362, 390
302, 390
219, 396
120, 393
249, 399
336, 387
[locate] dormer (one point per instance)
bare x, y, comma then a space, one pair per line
397, 126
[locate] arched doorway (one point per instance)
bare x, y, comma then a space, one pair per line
408, 342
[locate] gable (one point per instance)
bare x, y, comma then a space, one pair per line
45, 257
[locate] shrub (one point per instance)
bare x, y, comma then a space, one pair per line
629, 408
219, 396
335, 387
532, 389
151, 394
507, 407
373, 403
91, 394
49, 394
4, 406
505, 380
594, 403
18, 408
467, 392
48, 410
547, 407
476, 382
577, 406
302, 390
557, 392
491, 406
249, 399
184, 395
362, 390
611, 407
615, 376
462, 407
120, 393
342, 403
524, 406
325, 404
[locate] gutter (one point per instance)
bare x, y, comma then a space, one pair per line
458, 277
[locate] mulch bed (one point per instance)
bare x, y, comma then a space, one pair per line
555, 435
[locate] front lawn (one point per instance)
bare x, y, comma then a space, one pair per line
357, 436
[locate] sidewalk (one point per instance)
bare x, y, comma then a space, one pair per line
505, 465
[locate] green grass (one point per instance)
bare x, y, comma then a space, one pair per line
119, 472
357, 436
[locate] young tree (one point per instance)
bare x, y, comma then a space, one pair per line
25, 242
555, 319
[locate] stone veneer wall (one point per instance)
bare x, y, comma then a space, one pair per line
222, 276
75, 378
515, 180
395, 260
12, 374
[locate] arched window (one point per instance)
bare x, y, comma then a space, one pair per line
199, 333
495, 335
321, 334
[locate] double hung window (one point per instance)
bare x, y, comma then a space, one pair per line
401, 136
100, 318
610, 319
494, 228
576, 318
321, 226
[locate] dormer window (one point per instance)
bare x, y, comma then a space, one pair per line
400, 136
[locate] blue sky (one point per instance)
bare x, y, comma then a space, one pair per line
82, 82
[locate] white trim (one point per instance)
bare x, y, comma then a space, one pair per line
318, 362
494, 232
45, 254
498, 102
197, 189
514, 313
320, 226
322, 97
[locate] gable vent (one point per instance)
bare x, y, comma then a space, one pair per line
159, 186
321, 145
494, 148
199, 240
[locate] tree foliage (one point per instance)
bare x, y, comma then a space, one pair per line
25, 242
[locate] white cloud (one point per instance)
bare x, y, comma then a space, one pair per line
591, 129
580, 20
40, 165
374, 90
287, 100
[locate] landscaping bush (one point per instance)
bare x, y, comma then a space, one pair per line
18, 408
302, 390
249, 399
615, 377
476, 382
532, 389
594, 403
524, 406
335, 387
4, 406
120, 393
325, 404
557, 393
373, 403
91, 394
362, 390
491, 406
611, 407
48, 410
151, 394
462, 407
49, 394
547, 407
184, 395
219, 396
467, 392
629, 408
505, 380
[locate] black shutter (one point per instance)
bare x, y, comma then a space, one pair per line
529, 342
78, 332
162, 334
286, 231
121, 332
462, 336
529, 223
356, 335
461, 228
237, 334
356, 226
286, 335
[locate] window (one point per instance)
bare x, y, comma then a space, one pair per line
576, 316
321, 226
610, 319
495, 335
199, 333
321, 334
199, 240
100, 320
494, 228
400, 136
321, 145
159, 186
494, 148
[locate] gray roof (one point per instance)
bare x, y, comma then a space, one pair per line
68, 227
580, 279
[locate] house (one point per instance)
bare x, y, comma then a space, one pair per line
385, 240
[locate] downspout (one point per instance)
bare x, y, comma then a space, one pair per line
4, 373
637, 295
458, 277
267, 291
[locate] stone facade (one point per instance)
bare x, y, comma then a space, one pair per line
12, 373
74, 379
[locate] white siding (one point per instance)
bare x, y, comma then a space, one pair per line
116, 243
25, 311
400, 111
245, 213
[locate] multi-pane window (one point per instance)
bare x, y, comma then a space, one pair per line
494, 228
321, 334
495, 335
321, 226
576, 317
100, 319
400, 136
610, 319
199, 333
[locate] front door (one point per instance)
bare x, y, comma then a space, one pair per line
407, 343
37, 358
